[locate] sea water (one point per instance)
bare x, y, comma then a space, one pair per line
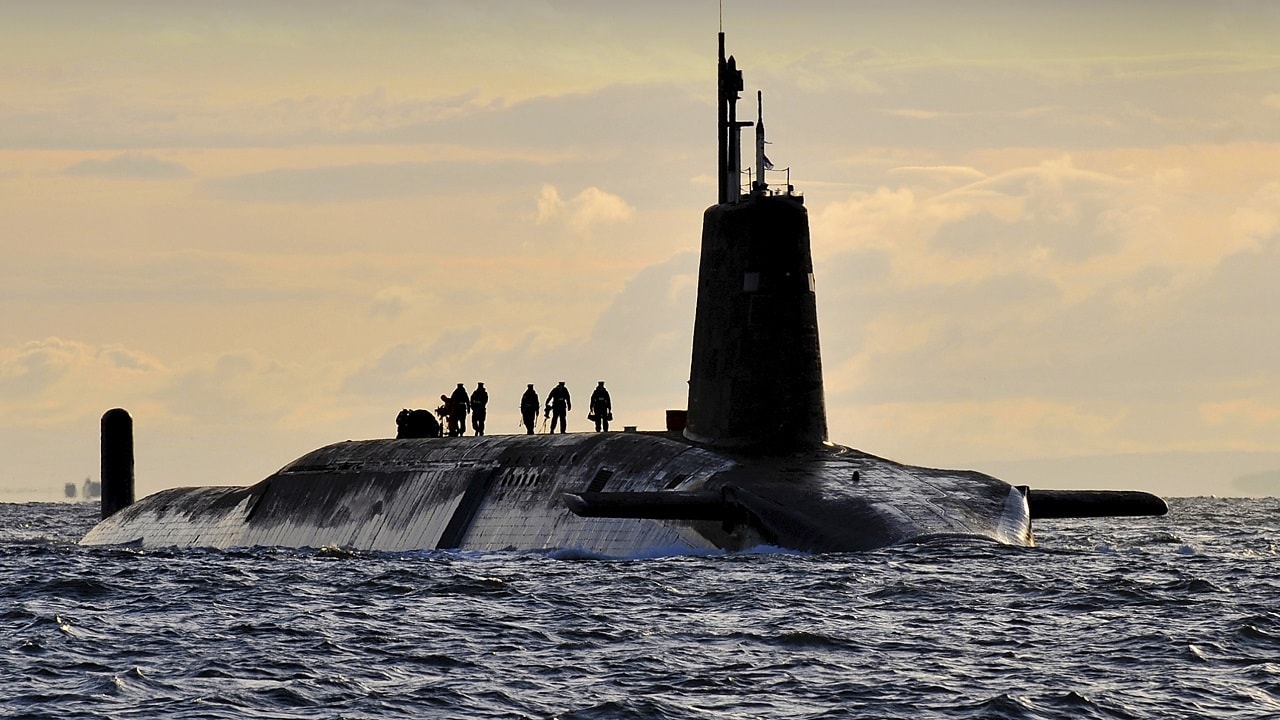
1171, 617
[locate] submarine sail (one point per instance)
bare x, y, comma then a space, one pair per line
751, 466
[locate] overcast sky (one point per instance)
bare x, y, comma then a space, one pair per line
1040, 229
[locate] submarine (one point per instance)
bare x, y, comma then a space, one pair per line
747, 464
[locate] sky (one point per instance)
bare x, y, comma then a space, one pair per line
1046, 235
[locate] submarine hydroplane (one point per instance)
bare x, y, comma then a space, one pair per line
748, 464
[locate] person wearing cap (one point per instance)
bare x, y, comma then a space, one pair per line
459, 403
529, 409
559, 404
479, 401
601, 408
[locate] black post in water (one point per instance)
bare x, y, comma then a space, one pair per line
117, 461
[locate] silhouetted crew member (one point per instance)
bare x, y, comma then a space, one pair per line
443, 413
558, 401
479, 401
601, 408
529, 409
459, 403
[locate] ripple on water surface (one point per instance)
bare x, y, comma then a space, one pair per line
1150, 617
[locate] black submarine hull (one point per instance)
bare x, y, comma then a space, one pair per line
612, 494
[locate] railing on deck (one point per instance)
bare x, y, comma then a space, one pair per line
775, 188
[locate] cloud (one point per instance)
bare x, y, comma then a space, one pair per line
237, 387
639, 343
390, 303
915, 114
414, 370
584, 211
1250, 412
1082, 229
57, 381
134, 165
478, 172
183, 120
143, 283
939, 109
1058, 294
958, 93
938, 176
349, 183
52, 380
1259, 219
650, 116
374, 112
646, 332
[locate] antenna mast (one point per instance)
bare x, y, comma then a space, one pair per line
729, 84
762, 162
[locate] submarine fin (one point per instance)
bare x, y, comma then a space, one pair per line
1048, 504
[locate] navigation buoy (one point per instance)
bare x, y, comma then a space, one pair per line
117, 461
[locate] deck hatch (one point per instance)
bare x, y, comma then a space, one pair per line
598, 482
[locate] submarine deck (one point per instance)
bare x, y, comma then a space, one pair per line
514, 492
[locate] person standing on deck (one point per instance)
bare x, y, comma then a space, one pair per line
529, 409
459, 404
560, 404
601, 408
479, 401
444, 414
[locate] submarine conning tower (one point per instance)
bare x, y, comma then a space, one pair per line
755, 380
